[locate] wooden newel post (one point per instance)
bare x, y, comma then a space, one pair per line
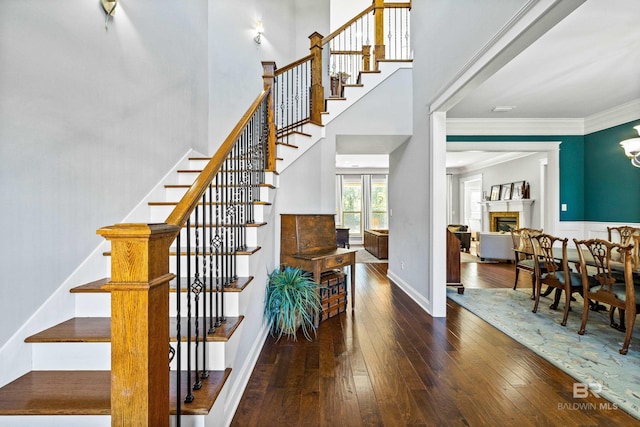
268, 78
378, 50
366, 57
317, 90
139, 289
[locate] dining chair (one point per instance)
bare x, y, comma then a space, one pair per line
603, 283
523, 254
625, 235
554, 271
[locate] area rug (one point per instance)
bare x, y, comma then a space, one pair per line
365, 257
592, 359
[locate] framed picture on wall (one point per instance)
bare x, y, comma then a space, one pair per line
495, 192
505, 191
517, 192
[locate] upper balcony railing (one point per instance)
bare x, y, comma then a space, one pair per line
380, 32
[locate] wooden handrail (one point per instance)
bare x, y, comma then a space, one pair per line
191, 198
327, 39
406, 5
294, 64
331, 36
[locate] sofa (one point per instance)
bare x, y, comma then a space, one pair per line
463, 234
495, 246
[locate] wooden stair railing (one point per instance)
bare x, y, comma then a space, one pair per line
351, 46
140, 268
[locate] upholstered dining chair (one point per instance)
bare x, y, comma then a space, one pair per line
523, 254
554, 271
603, 283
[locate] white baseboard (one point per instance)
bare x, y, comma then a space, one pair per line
423, 302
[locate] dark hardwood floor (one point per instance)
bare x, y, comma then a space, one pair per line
388, 363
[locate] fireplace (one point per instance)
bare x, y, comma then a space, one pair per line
505, 215
504, 221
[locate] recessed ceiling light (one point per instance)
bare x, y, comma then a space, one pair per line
502, 108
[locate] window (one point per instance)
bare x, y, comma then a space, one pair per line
361, 202
352, 203
379, 218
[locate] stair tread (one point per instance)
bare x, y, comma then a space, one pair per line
97, 286
189, 186
235, 286
286, 144
98, 329
183, 251
89, 393
254, 202
249, 224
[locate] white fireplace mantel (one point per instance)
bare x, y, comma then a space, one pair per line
523, 207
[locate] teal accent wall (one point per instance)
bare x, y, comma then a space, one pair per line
612, 184
572, 167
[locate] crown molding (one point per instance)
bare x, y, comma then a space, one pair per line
512, 126
615, 116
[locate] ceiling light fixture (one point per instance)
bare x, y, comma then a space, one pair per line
632, 148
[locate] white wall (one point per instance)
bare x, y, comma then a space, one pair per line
456, 31
522, 169
235, 58
90, 119
344, 10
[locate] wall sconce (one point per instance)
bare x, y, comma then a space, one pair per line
632, 148
109, 7
259, 30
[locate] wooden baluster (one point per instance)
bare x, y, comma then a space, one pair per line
317, 90
378, 12
268, 77
139, 322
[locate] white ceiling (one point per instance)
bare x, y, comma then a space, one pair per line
585, 65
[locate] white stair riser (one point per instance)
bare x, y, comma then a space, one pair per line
99, 304
231, 304
242, 265
57, 421
72, 356
93, 304
175, 194
198, 164
97, 356
215, 354
91, 420
187, 177
251, 235
159, 214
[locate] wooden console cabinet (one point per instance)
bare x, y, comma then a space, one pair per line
308, 242
377, 243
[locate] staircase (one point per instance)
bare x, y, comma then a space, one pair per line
69, 380
69, 383
63, 366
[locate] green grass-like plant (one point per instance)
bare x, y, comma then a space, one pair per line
292, 301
